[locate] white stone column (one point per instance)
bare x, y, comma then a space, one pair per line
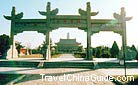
12, 53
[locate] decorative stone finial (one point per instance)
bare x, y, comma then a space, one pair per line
88, 6
13, 10
88, 3
122, 9
48, 6
123, 13
49, 11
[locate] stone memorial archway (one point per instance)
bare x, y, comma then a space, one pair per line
82, 21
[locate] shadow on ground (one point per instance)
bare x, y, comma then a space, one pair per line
5, 78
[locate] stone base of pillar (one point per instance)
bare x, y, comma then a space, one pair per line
9, 53
89, 55
48, 53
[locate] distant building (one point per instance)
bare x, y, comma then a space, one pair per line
23, 51
68, 45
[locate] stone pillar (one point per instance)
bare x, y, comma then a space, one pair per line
12, 29
12, 52
12, 41
48, 9
89, 56
48, 53
13, 17
122, 20
48, 14
123, 24
89, 27
124, 44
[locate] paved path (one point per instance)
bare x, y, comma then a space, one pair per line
60, 73
33, 76
67, 57
63, 57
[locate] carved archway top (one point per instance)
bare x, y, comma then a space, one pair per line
14, 15
122, 16
88, 10
48, 11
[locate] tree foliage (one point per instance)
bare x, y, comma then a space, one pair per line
133, 48
101, 52
18, 46
4, 44
41, 49
114, 50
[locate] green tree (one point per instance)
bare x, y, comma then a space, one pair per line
114, 50
4, 45
79, 49
133, 48
137, 56
105, 52
98, 52
43, 48
18, 46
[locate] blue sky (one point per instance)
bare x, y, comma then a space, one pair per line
106, 9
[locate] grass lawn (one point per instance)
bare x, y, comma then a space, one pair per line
32, 56
80, 55
56, 55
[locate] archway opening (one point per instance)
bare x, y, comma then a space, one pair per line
28, 44
103, 44
70, 41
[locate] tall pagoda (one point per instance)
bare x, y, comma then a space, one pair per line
68, 45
